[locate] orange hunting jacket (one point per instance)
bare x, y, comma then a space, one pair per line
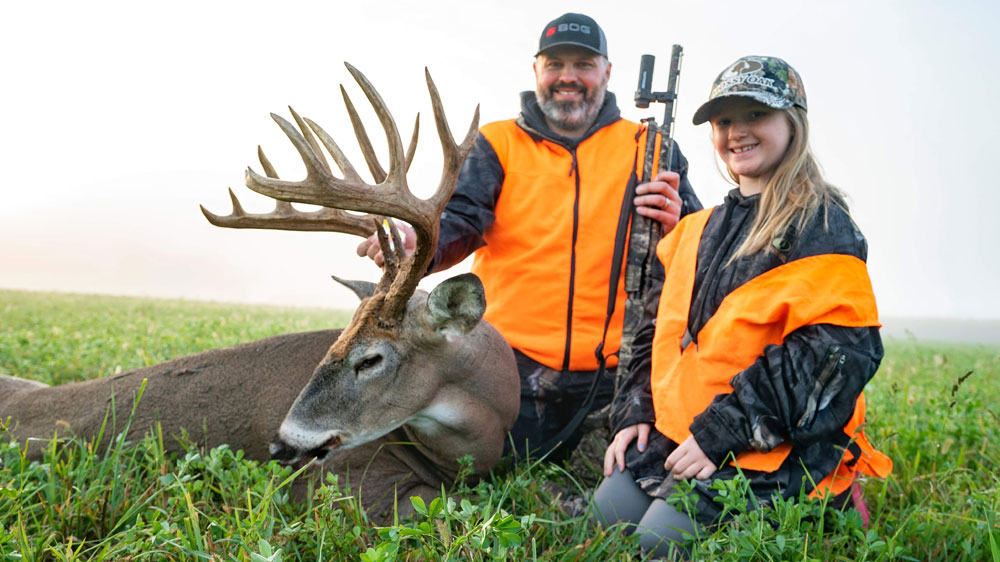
686, 376
540, 212
547, 258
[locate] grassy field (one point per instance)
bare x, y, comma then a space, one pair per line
934, 408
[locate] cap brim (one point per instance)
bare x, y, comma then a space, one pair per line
704, 113
571, 44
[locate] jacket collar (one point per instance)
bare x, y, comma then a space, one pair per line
734, 197
533, 121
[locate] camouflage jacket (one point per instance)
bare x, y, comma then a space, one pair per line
774, 390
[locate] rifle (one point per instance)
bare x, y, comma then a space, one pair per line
645, 233
643, 236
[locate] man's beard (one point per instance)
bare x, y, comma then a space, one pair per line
571, 115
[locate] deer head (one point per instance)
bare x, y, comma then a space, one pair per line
389, 366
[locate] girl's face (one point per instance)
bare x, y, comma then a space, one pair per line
751, 138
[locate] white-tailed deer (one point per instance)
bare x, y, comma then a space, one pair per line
415, 382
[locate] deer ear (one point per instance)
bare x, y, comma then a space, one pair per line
363, 289
456, 306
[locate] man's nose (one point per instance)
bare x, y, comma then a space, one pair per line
568, 74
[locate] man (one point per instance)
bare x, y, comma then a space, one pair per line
538, 200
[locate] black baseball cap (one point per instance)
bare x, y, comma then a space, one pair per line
573, 29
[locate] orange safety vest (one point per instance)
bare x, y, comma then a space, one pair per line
822, 289
552, 242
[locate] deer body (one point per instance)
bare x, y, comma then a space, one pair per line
461, 397
237, 395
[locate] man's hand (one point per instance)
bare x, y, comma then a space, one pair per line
371, 248
688, 460
615, 455
659, 200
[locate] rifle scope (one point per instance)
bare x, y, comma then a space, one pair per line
644, 93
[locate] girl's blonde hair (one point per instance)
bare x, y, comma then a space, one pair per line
794, 192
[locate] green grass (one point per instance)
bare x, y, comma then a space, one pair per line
58, 338
133, 501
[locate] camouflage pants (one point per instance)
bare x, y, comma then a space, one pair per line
549, 399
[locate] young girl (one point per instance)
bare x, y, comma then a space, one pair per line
765, 334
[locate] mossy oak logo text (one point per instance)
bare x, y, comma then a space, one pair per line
744, 72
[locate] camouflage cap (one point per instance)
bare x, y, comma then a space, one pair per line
769, 80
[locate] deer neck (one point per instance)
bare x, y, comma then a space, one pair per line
474, 408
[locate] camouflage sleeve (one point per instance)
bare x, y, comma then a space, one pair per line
690, 201
470, 211
803, 390
633, 402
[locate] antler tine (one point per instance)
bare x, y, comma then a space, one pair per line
311, 139
266, 164
374, 166
412, 149
362, 135
286, 217
391, 259
396, 177
280, 206
454, 154
311, 190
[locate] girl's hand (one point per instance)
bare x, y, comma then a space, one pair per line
688, 460
615, 455
660, 201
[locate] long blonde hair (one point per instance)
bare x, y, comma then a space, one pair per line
793, 193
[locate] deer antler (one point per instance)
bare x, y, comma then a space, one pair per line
389, 196
286, 217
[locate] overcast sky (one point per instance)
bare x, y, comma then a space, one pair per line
120, 118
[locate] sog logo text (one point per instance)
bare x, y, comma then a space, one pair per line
585, 29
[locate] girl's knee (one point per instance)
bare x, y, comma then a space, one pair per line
665, 531
619, 499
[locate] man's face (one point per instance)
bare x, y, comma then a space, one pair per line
570, 83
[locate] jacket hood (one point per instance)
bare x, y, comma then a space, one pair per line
532, 120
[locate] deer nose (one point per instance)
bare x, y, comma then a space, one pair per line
281, 451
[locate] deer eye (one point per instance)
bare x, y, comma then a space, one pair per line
368, 362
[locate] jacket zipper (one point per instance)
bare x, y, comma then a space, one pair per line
575, 172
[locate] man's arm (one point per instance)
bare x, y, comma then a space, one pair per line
470, 211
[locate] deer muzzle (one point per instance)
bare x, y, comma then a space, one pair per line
290, 455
